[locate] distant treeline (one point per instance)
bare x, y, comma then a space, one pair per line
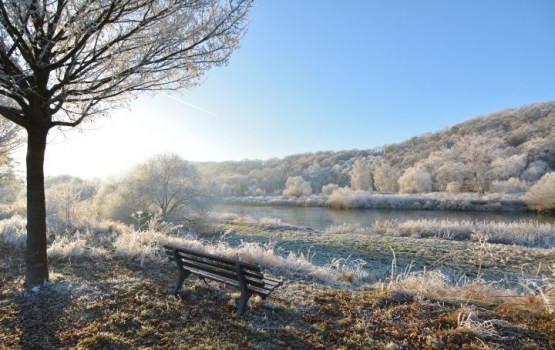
504, 152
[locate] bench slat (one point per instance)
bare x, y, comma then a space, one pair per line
254, 272
257, 279
265, 291
222, 272
213, 257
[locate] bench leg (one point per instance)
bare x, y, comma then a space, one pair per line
245, 292
243, 302
180, 278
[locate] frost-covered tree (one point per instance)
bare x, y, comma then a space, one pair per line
361, 178
62, 201
451, 172
541, 196
68, 61
385, 178
535, 171
318, 177
164, 185
415, 180
476, 153
296, 186
505, 168
446, 166
169, 184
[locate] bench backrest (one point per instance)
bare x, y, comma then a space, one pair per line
215, 266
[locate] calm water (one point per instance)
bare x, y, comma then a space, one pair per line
321, 218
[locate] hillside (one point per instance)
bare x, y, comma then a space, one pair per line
506, 151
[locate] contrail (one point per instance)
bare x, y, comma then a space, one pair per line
190, 104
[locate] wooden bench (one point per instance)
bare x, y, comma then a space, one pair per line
248, 278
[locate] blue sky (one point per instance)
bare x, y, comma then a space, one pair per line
326, 75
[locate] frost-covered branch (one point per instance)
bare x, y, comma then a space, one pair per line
77, 55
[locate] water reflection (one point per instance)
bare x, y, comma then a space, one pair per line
321, 218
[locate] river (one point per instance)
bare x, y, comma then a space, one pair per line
320, 218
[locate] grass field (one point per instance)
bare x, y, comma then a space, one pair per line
110, 289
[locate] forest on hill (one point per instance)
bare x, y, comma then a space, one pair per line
503, 152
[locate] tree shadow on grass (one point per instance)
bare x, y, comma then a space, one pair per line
41, 316
121, 305
54, 315
31, 318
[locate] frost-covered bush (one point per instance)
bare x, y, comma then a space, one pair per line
415, 180
541, 196
13, 231
65, 204
346, 198
296, 186
512, 185
329, 189
453, 187
118, 201
435, 283
65, 247
525, 233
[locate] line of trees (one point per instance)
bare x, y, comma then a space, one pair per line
165, 187
503, 152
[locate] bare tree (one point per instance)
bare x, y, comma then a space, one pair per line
63, 62
169, 183
477, 152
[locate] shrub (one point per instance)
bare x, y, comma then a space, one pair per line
415, 180
541, 196
453, 187
345, 198
13, 231
296, 186
512, 185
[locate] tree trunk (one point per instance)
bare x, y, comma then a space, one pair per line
36, 258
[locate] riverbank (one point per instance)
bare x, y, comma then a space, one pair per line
368, 200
